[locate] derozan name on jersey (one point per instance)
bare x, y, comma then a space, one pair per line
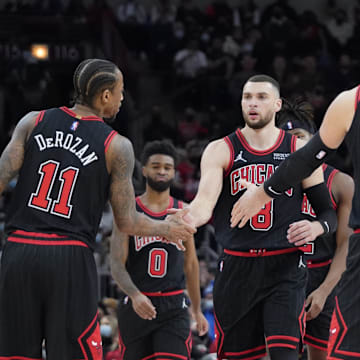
68, 142
142, 241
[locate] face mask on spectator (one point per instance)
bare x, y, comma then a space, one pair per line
105, 330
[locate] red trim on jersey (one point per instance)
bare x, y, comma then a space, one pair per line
85, 332
314, 264
313, 341
329, 185
231, 162
241, 353
174, 356
188, 344
357, 97
282, 337
86, 118
260, 252
39, 117
302, 323
152, 213
163, 293
45, 242
290, 346
356, 231
246, 145
35, 234
293, 143
219, 337
122, 347
180, 204
109, 139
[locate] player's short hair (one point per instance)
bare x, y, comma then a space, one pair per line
296, 115
91, 77
264, 78
163, 147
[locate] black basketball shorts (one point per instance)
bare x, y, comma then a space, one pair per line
258, 298
165, 337
48, 292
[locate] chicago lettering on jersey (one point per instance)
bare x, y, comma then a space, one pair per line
142, 241
69, 142
255, 173
306, 207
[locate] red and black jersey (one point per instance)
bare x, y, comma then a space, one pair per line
323, 248
153, 265
352, 141
64, 183
268, 228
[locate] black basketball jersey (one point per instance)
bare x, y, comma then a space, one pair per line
268, 228
152, 264
323, 247
352, 141
63, 184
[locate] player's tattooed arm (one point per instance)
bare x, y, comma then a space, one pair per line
120, 162
119, 249
12, 157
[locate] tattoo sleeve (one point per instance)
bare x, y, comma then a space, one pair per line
119, 247
122, 195
12, 157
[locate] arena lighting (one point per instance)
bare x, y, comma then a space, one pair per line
40, 51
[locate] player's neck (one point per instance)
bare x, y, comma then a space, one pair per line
155, 201
261, 139
84, 110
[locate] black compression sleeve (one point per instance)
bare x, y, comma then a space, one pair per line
298, 166
320, 201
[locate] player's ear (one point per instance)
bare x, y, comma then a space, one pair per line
143, 170
278, 104
105, 96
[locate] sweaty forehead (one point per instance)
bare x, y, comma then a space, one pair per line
260, 87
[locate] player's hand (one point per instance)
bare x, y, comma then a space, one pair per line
202, 325
303, 231
316, 300
179, 230
249, 204
143, 306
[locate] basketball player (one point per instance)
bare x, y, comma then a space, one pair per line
259, 290
342, 119
326, 257
69, 162
151, 273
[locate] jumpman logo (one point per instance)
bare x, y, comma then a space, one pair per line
239, 157
301, 263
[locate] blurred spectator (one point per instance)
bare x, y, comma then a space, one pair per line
190, 62
237, 81
189, 127
340, 28
163, 12
246, 15
131, 11
189, 13
158, 127
109, 334
219, 15
279, 29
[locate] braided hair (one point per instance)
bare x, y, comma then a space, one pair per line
296, 115
91, 77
